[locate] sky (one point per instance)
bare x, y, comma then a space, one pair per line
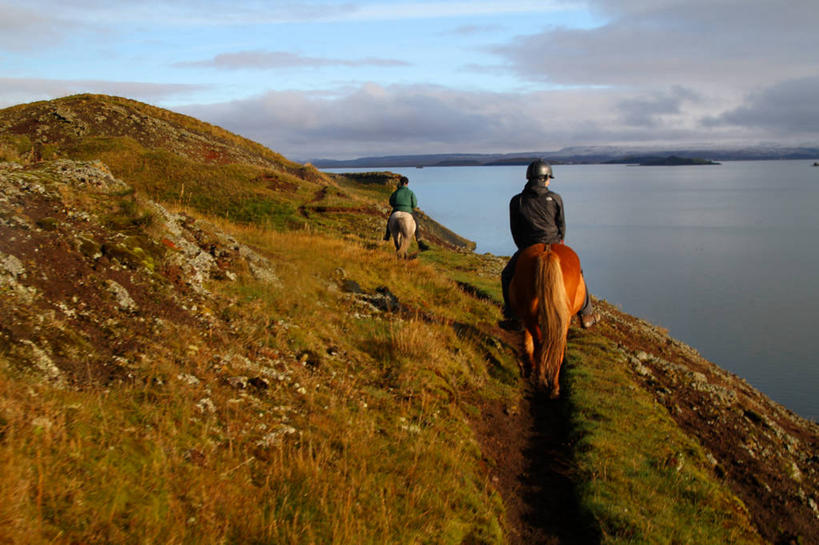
352, 78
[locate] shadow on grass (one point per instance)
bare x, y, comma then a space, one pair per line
552, 513
529, 449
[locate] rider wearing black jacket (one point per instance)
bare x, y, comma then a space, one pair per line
536, 216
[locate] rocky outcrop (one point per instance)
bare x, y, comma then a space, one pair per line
89, 270
766, 453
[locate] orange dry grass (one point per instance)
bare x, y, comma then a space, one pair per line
367, 445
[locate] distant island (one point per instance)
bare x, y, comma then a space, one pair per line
670, 161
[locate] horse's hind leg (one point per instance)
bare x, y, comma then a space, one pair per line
529, 354
554, 390
551, 378
401, 246
545, 377
541, 373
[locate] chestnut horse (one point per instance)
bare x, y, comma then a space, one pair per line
546, 291
402, 229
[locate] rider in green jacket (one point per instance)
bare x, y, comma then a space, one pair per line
403, 200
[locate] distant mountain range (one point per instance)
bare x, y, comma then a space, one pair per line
575, 154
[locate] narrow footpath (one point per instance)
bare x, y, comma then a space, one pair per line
528, 452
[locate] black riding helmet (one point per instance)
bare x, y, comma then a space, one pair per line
539, 169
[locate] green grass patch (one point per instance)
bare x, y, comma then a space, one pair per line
234, 191
13, 147
481, 273
642, 479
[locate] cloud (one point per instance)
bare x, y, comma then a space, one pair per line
714, 44
402, 119
214, 13
189, 13
784, 108
265, 60
471, 30
17, 90
680, 68
426, 9
372, 119
22, 28
649, 111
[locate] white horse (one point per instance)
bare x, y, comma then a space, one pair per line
402, 229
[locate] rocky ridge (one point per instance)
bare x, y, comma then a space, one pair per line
765, 452
53, 125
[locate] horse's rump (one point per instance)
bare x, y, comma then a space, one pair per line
402, 228
546, 290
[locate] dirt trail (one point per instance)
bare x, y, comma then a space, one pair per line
529, 453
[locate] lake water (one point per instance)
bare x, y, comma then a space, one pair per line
726, 257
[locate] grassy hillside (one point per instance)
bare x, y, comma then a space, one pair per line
207, 383
177, 159
202, 342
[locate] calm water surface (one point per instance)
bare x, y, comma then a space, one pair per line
725, 256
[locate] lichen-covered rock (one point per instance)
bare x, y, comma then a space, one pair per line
122, 297
43, 363
10, 266
93, 273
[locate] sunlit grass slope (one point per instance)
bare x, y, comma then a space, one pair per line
179, 159
362, 436
642, 479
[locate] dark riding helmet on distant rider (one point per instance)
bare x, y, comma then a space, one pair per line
539, 169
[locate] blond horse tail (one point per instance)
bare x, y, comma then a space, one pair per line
553, 318
405, 240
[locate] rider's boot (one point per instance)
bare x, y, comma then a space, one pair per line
588, 320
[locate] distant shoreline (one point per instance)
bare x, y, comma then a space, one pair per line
670, 161
571, 156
